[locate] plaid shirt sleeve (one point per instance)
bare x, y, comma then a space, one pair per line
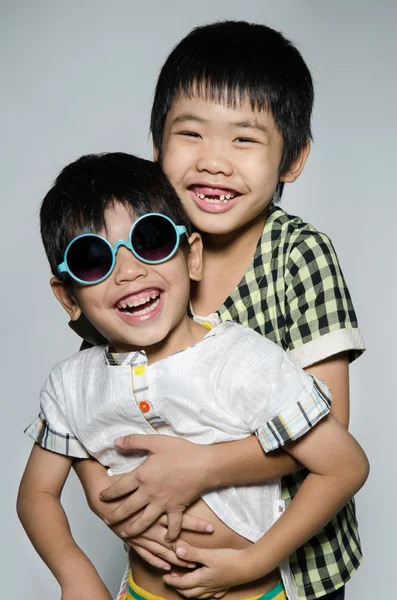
51, 430
320, 318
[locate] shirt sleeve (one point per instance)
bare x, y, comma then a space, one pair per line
320, 318
51, 429
293, 420
276, 400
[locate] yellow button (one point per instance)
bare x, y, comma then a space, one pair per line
207, 325
139, 370
144, 406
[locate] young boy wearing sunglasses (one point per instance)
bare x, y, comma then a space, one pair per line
121, 251
231, 125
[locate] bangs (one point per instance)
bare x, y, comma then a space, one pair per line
227, 89
92, 218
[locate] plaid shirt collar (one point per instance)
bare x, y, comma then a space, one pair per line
120, 359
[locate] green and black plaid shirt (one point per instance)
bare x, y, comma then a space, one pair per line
294, 293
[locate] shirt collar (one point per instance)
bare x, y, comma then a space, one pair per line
120, 359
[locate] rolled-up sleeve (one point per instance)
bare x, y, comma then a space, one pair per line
51, 429
276, 399
292, 422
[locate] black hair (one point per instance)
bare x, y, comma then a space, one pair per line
87, 187
233, 61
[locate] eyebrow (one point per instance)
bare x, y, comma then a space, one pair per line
188, 117
252, 124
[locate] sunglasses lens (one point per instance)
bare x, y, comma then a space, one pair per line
89, 258
154, 238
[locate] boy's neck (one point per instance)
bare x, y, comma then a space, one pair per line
186, 334
226, 259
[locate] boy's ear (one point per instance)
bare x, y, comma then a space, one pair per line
64, 296
195, 257
297, 166
156, 153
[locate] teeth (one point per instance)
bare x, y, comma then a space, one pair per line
148, 309
138, 301
223, 198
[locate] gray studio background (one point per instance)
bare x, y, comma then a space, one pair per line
77, 77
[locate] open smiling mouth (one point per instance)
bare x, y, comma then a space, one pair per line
214, 195
139, 305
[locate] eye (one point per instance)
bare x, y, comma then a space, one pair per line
245, 140
192, 134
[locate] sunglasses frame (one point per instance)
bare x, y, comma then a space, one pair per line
179, 231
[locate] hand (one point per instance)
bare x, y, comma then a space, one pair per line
152, 547
222, 569
171, 478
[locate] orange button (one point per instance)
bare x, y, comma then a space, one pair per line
144, 406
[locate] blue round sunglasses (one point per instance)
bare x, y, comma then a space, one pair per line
90, 258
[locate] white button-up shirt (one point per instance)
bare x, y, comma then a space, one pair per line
233, 383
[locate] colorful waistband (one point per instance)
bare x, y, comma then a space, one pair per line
137, 593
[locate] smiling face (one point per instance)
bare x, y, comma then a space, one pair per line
223, 162
138, 305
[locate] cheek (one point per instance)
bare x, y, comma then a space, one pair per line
176, 161
178, 278
89, 301
262, 172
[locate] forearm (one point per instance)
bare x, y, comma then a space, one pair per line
319, 498
244, 462
47, 527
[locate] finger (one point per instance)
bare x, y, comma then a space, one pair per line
137, 441
163, 520
192, 553
123, 486
191, 523
127, 508
164, 553
187, 581
160, 551
146, 518
156, 533
152, 559
174, 526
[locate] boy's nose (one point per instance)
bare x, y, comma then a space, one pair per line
128, 267
214, 161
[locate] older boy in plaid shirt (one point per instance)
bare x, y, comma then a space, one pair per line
231, 125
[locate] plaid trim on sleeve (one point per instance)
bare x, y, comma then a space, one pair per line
294, 293
49, 439
51, 430
297, 420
